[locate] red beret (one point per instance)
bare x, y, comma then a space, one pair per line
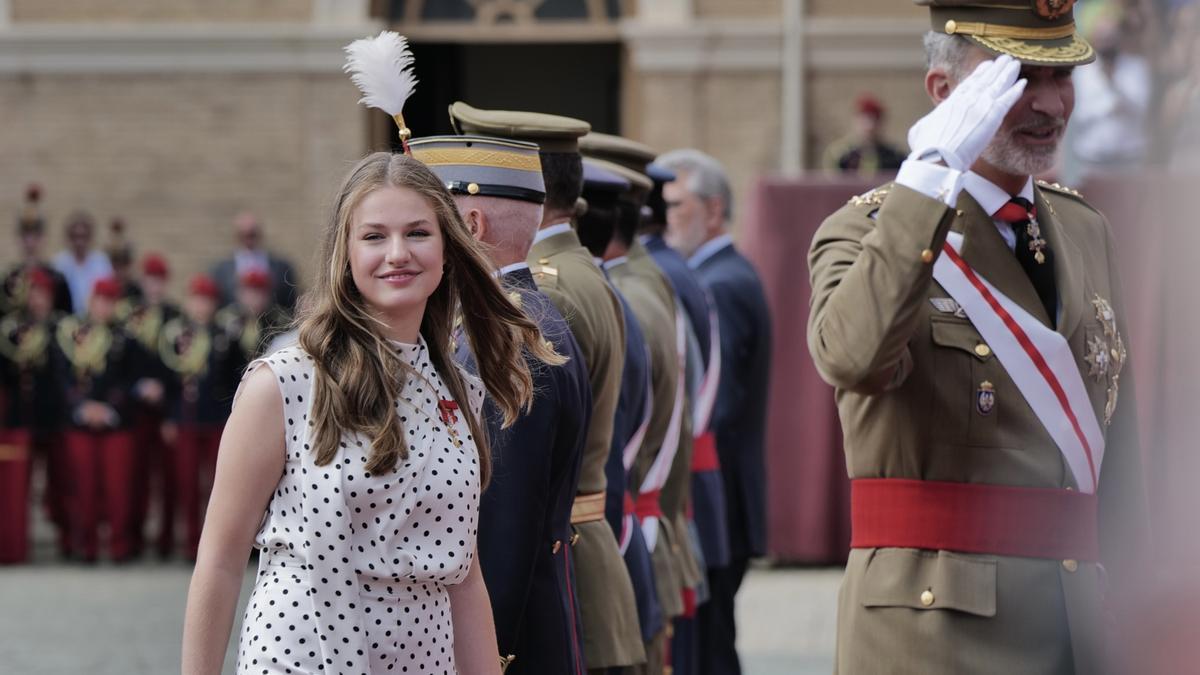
202, 284
869, 105
107, 287
154, 265
39, 278
255, 279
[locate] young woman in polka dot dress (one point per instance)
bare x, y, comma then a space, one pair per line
348, 461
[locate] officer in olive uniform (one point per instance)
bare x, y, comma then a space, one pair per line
666, 443
997, 504
201, 360
595, 223
525, 514
565, 272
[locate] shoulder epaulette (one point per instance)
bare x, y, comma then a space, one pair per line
872, 198
1060, 188
543, 272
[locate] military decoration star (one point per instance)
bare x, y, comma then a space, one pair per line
1107, 356
1036, 243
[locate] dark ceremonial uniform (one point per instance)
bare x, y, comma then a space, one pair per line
249, 334
30, 419
100, 365
16, 286
632, 413
739, 422
202, 363
707, 507
564, 270
525, 514
144, 323
657, 322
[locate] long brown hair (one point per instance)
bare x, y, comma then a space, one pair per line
359, 376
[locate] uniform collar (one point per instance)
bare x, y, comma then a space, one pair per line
512, 267
547, 232
991, 196
708, 249
615, 262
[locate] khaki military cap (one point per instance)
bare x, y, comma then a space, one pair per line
1036, 32
623, 151
551, 133
638, 181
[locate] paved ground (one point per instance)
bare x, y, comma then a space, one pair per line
127, 620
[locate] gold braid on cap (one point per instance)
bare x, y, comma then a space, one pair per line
994, 30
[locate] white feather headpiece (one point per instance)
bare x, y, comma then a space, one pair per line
381, 67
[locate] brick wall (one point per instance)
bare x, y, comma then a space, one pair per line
178, 155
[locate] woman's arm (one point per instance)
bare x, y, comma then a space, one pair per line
475, 649
249, 464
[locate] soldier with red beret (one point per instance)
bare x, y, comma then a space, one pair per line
99, 377
143, 315
864, 150
201, 358
254, 317
29, 413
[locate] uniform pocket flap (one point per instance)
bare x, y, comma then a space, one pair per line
959, 335
930, 580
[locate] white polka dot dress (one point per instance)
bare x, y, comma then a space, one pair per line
353, 568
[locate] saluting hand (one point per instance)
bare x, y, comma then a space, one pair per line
960, 127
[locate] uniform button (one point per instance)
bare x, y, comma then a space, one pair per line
543, 261
951, 27
927, 597
1070, 565
927, 256
982, 350
557, 546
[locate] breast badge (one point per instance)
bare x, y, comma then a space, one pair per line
985, 398
1106, 355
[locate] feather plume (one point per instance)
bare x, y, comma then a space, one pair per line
381, 67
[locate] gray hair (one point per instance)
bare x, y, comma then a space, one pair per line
706, 177
948, 52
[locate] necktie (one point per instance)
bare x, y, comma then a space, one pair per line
1033, 253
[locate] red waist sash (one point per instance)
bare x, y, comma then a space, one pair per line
647, 505
973, 518
704, 453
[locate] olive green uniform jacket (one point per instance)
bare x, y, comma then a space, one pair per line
907, 377
566, 273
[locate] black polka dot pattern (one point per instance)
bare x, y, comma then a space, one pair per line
353, 567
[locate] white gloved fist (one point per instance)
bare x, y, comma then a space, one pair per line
961, 126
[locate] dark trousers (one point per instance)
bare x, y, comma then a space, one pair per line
195, 462
716, 623
101, 489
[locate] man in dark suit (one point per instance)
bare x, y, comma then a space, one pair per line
699, 204
525, 514
250, 256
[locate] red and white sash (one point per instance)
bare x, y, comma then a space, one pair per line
1038, 359
706, 397
656, 477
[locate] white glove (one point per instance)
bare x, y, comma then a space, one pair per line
961, 126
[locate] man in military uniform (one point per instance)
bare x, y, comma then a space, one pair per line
200, 358
98, 378
707, 506
596, 222
30, 415
143, 317
565, 272
968, 317
525, 514
699, 205
31, 235
254, 319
